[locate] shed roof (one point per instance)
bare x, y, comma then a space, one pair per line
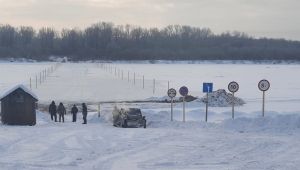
21, 86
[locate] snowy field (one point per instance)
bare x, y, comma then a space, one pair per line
248, 142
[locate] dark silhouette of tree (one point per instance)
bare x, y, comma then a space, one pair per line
107, 41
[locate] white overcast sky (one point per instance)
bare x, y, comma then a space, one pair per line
260, 18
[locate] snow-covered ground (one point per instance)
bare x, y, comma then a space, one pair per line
248, 142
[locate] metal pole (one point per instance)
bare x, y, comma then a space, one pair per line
232, 105
134, 78
40, 77
153, 86
206, 107
168, 85
172, 109
30, 82
143, 81
128, 76
263, 106
122, 75
36, 81
183, 119
98, 109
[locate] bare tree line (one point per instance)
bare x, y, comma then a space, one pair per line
125, 42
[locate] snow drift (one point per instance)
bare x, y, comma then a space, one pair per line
221, 98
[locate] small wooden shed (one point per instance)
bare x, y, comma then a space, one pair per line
18, 106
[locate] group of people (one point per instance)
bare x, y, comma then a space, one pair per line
61, 111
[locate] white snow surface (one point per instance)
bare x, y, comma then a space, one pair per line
249, 142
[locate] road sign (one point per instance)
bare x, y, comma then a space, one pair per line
233, 87
172, 93
183, 91
207, 87
264, 85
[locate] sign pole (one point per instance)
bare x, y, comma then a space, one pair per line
172, 109
183, 109
232, 105
263, 86
172, 94
206, 107
263, 106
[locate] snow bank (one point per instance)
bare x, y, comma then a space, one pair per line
276, 123
221, 98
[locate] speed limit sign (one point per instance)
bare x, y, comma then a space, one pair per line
171, 93
264, 85
233, 87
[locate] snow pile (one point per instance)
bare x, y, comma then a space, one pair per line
221, 98
276, 123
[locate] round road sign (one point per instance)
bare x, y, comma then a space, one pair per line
233, 87
183, 91
172, 93
264, 85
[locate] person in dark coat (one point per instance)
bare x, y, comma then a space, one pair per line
61, 110
52, 111
74, 112
84, 113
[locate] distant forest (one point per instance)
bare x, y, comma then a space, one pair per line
106, 41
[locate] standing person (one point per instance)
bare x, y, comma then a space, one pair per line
84, 113
61, 112
52, 111
74, 112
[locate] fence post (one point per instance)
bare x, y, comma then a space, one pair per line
36, 81
40, 77
143, 82
128, 76
153, 86
98, 109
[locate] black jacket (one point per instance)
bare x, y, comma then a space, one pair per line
74, 110
61, 110
52, 109
84, 110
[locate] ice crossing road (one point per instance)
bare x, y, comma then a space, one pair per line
87, 82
